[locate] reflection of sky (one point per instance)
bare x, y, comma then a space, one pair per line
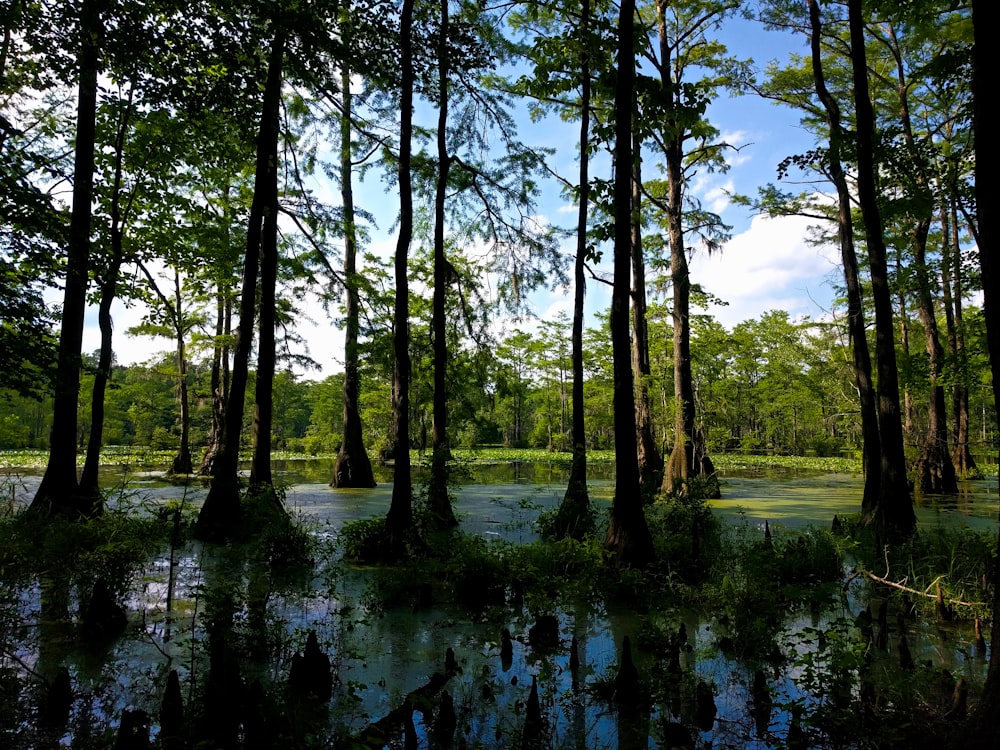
382, 653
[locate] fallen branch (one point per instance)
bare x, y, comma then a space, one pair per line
907, 589
387, 729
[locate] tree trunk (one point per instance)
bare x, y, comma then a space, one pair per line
261, 479
904, 349
353, 467
855, 301
933, 470
893, 516
689, 457
628, 540
219, 378
574, 511
438, 500
951, 280
182, 463
220, 513
58, 491
399, 519
109, 289
650, 460
984, 726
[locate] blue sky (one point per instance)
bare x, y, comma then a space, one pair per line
768, 264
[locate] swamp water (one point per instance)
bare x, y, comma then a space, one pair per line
381, 651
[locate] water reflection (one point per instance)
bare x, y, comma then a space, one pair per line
381, 653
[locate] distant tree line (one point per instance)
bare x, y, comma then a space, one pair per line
769, 385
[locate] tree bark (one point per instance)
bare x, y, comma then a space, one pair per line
89, 486
893, 517
58, 491
574, 511
220, 513
261, 479
852, 281
353, 467
628, 540
650, 460
689, 457
951, 281
399, 519
934, 470
219, 378
438, 500
904, 350
182, 463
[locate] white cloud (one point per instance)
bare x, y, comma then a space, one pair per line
718, 198
770, 266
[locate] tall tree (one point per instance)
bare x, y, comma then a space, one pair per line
893, 517
353, 467
576, 31
170, 317
220, 513
58, 490
108, 291
575, 507
261, 479
933, 468
628, 540
674, 109
399, 519
855, 302
650, 460
952, 280
438, 499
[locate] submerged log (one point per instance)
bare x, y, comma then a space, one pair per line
387, 729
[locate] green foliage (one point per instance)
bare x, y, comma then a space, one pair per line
956, 558
283, 540
686, 534
113, 546
758, 579
360, 540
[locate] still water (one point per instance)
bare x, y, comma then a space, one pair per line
382, 653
